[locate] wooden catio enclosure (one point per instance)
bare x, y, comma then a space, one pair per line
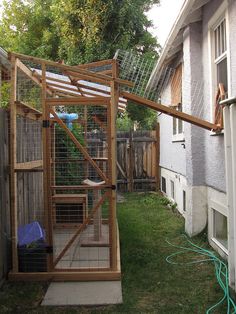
59, 111
63, 148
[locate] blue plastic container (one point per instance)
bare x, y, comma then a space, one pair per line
30, 233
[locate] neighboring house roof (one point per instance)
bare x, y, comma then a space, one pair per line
190, 12
4, 58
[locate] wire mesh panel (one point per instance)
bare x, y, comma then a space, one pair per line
31, 224
137, 69
29, 191
79, 168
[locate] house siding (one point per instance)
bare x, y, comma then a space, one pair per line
202, 162
214, 155
204, 175
172, 154
194, 136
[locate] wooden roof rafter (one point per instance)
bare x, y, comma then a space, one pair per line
28, 72
98, 84
95, 64
170, 111
74, 70
63, 86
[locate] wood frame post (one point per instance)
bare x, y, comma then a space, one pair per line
131, 162
157, 156
13, 178
112, 111
46, 169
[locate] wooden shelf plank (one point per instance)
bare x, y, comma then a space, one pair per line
70, 198
80, 187
66, 276
28, 165
27, 109
78, 100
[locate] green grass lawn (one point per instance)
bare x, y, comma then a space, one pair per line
150, 284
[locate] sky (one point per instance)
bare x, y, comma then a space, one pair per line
163, 17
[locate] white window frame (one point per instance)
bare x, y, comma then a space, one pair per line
217, 18
178, 137
172, 189
220, 208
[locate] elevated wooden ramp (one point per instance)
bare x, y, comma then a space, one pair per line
170, 111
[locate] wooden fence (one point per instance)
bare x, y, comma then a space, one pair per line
138, 160
4, 196
29, 184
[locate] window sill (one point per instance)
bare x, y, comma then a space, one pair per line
220, 245
220, 133
178, 138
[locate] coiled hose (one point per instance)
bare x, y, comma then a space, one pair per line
221, 270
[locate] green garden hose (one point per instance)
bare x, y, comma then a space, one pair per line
221, 270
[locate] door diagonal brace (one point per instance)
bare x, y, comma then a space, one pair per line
79, 146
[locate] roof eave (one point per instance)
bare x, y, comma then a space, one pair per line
186, 16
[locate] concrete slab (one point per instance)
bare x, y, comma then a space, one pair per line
83, 293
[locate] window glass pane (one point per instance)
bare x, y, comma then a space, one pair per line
225, 42
220, 228
220, 39
184, 200
177, 123
224, 45
172, 187
174, 126
222, 74
215, 41
180, 127
163, 184
180, 122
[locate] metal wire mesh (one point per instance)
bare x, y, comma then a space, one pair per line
137, 69
73, 204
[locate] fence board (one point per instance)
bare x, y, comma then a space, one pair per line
29, 184
137, 161
4, 196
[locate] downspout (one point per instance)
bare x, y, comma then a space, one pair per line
229, 113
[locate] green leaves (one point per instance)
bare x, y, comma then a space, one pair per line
5, 95
77, 31
144, 117
80, 31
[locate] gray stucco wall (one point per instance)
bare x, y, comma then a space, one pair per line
192, 101
202, 162
172, 154
214, 155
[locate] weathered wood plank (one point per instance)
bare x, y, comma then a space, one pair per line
170, 111
5, 197
29, 165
